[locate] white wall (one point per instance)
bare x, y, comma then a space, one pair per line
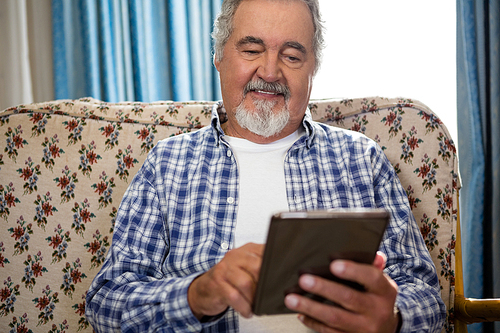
391, 48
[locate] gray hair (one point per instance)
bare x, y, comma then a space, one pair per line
223, 28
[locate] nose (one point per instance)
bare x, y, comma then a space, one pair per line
270, 67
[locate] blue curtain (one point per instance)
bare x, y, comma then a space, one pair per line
478, 74
134, 50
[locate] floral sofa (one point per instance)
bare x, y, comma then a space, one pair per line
64, 166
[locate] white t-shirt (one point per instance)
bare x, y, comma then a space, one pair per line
262, 193
262, 189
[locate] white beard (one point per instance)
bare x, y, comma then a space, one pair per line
263, 121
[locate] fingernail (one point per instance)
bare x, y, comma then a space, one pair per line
307, 281
291, 301
301, 318
338, 267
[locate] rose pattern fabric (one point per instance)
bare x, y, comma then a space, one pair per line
64, 166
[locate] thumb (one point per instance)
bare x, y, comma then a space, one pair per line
380, 260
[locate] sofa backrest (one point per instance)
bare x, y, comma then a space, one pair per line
64, 166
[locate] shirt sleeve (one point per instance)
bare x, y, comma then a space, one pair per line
132, 292
408, 261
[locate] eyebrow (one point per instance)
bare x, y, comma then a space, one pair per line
255, 40
249, 40
296, 45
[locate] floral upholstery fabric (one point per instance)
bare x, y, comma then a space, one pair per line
64, 166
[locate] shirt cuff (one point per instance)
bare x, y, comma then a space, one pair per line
177, 309
176, 306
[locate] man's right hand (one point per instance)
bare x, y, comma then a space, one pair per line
231, 282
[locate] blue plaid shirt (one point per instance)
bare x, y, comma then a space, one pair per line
177, 218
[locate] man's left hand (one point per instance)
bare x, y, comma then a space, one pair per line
371, 310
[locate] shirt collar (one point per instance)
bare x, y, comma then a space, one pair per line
219, 117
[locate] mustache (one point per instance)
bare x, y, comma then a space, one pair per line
273, 87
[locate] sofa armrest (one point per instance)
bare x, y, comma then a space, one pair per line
470, 310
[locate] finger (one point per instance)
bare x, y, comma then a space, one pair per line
239, 302
257, 249
252, 260
232, 294
380, 260
345, 296
335, 318
368, 276
241, 269
231, 282
225, 287
242, 281
247, 258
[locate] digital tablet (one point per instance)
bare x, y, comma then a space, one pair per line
307, 242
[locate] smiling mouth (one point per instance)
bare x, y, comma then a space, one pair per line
267, 92
269, 89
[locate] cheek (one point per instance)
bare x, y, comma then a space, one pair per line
301, 90
233, 82
300, 94
236, 76
242, 75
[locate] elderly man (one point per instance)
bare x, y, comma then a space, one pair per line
187, 247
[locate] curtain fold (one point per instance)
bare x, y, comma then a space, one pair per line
135, 50
26, 52
13, 17
478, 74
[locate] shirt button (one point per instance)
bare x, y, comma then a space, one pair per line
229, 153
230, 200
296, 199
224, 246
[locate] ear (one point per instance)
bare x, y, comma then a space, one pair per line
216, 63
